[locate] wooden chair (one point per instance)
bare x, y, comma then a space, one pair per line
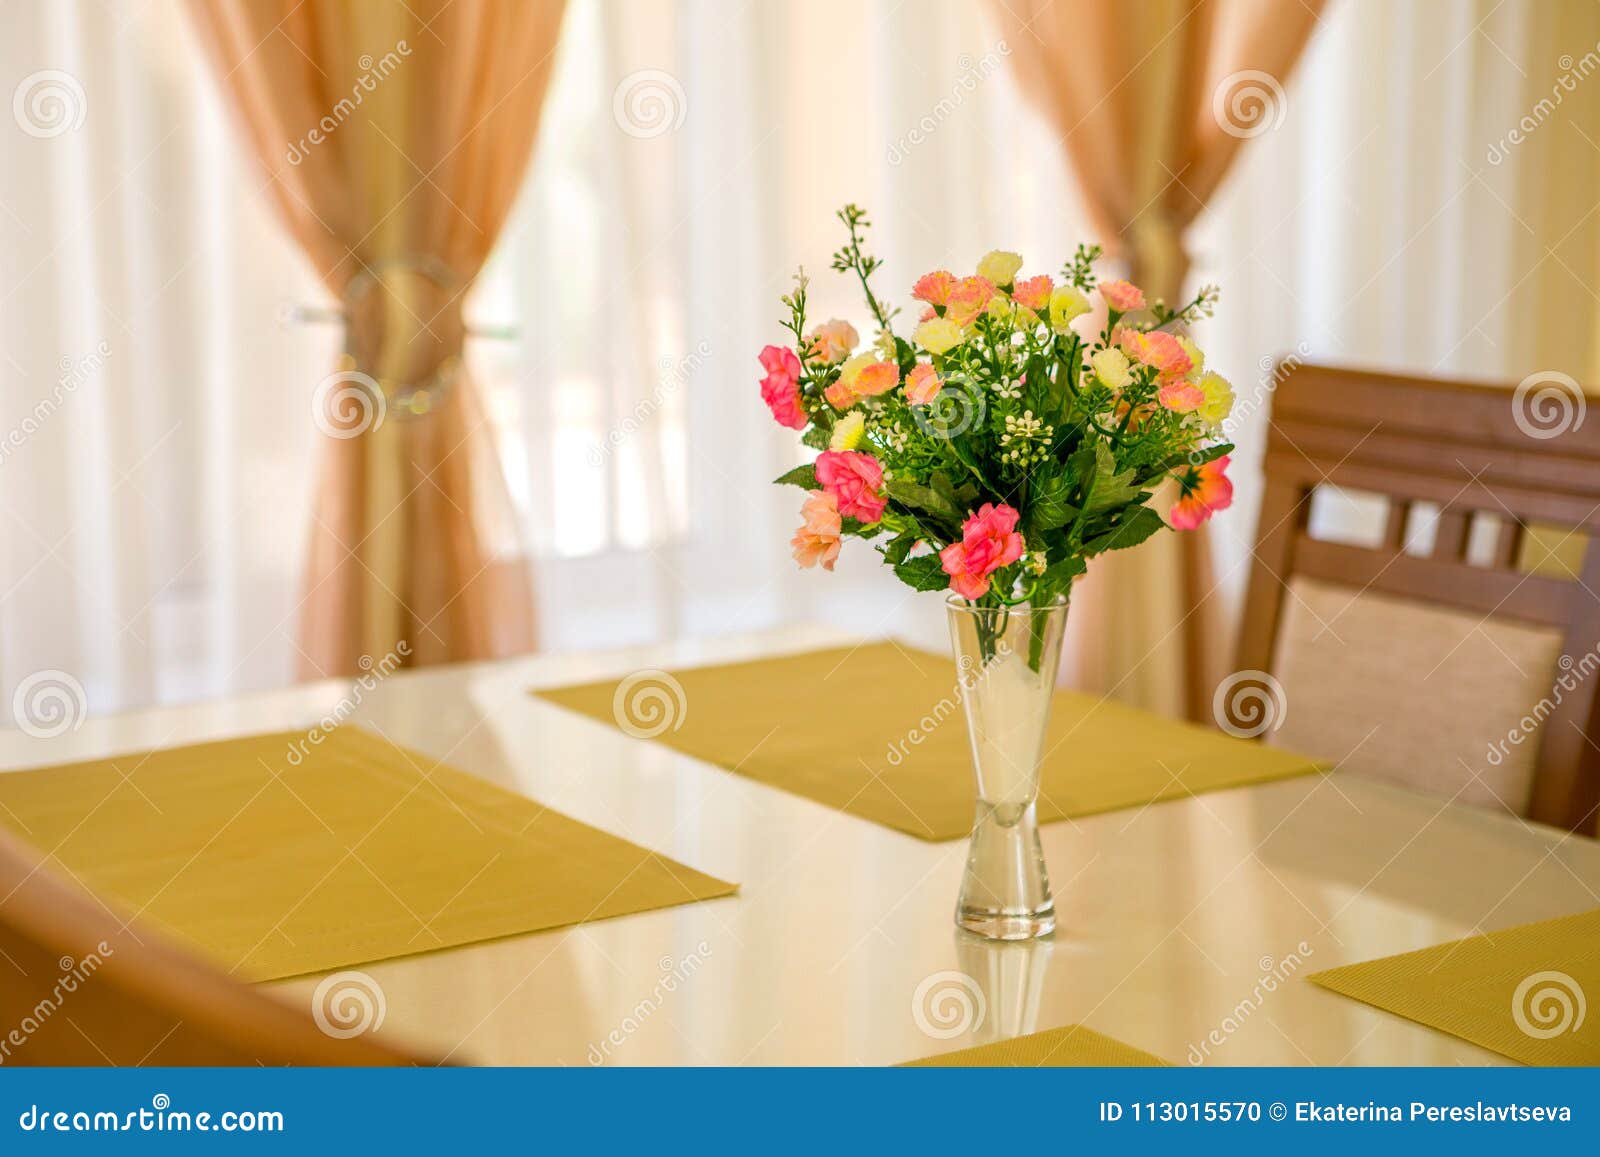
1459, 448
76, 991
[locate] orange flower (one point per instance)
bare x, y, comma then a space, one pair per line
878, 378
1034, 293
922, 386
1181, 396
934, 288
1122, 296
968, 299
1157, 349
1203, 491
818, 540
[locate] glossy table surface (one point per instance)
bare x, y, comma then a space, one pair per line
1185, 928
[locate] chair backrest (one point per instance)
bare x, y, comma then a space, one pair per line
1486, 458
78, 987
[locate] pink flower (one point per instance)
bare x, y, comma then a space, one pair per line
1181, 395
1122, 296
934, 288
968, 299
780, 389
989, 541
878, 378
856, 482
922, 385
1203, 490
832, 341
777, 359
928, 314
818, 540
1034, 293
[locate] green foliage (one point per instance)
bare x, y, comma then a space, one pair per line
1134, 525
923, 573
804, 477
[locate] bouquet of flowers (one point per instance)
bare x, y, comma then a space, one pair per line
998, 448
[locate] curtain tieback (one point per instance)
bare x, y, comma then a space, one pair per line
1160, 261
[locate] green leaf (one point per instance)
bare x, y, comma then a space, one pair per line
920, 497
1192, 458
859, 529
1049, 507
946, 490
1136, 526
804, 477
923, 573
898, 547
1111, 486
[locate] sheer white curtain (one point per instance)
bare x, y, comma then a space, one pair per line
153, 421
692, 154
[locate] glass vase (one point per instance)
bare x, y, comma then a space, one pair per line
1007, 659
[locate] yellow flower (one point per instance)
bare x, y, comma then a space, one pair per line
851, 370
847, 431
1000, 266
1197, 360
1066, 303
1219, 399
1111, 367
999, 307
938, 335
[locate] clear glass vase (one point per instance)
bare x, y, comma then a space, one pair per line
1007, 659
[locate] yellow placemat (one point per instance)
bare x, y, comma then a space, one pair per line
877, 731
1058, 1048
360, 852
1523, 992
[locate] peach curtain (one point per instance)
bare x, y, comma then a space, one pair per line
394, 134
1152, 101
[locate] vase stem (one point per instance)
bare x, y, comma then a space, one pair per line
1007, 658
1005, 893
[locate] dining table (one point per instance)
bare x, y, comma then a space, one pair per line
1185, 928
